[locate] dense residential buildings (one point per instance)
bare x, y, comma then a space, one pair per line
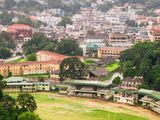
110, 51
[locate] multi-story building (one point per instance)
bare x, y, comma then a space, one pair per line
120, 40
20, 32
132, 82
139, 39
24, 68
51, 56
110, 51
46, 56
128, 96
154, 34
151, 99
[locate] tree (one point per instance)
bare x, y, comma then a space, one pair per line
72, 68
24, 20
143, 60
50, 47
9, 74
2, 85
28, 116
9, 104
69, 47
116, 81
5, 53
65, 20
26, 103
8, 4
37, 43
5, 18
4, 115
31, 57
132, 23
6, 41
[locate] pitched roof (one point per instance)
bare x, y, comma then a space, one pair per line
15, 27
99, 72
29, 63
15, 79
87, 83
151, 93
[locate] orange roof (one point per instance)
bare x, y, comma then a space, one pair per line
33, 18
15, 27
114, 48
155, 29
29, 63
56, 55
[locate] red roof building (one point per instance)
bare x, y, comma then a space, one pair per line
20, 31
47, 56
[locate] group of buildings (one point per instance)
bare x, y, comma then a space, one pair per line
47, 62
127, 92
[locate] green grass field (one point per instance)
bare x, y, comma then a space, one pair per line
45, 75
89, 62
20, 60
57, 107
113, 66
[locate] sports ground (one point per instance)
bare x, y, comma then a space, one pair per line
59, 107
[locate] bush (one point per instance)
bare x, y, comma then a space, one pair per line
32, 57
28, 116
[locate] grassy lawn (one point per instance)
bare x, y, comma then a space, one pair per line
45, 75
57, 107
89, 62
113, 66
20, 60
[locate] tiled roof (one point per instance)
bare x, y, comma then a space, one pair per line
15, 27
29, 63
155, 28
56, 55
114, 48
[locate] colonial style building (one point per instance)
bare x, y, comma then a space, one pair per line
113, 52
20, 32
128, 96
154, 34
46, 56
132, 82
51, 56
24, 68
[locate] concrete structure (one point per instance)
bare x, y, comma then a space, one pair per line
132, 82
154, 34
23, 84
25, 68
47, 56
20, 32
151, 99
29, 87
119, 40
94, 88
110, 51
51, 56
125, 96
